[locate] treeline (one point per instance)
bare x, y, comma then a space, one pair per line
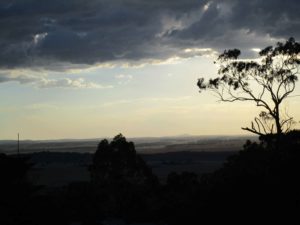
261, 182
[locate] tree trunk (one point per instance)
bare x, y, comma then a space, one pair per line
278, 126
277, 121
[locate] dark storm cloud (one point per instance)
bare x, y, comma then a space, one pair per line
237, 23
38, 33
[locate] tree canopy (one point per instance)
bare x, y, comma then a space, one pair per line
267, 81
117, 161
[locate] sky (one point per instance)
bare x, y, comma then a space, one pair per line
88, 69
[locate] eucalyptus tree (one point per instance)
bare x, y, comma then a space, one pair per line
267, 81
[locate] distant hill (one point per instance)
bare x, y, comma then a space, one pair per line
144, 145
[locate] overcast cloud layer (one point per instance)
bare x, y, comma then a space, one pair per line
44, 34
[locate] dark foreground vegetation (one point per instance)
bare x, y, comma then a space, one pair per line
261, 182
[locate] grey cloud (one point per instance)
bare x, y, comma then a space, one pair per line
42, 81
44, 34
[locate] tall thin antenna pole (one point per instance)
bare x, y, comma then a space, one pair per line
18, 144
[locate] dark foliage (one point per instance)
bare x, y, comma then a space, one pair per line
15, 189
262, 180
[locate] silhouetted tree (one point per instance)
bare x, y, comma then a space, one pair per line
118, 161
266, 81
121, 180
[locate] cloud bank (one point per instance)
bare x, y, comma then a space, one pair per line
57, 34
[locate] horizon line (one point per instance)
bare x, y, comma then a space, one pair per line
134, 137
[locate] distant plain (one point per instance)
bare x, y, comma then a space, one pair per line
60, 162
